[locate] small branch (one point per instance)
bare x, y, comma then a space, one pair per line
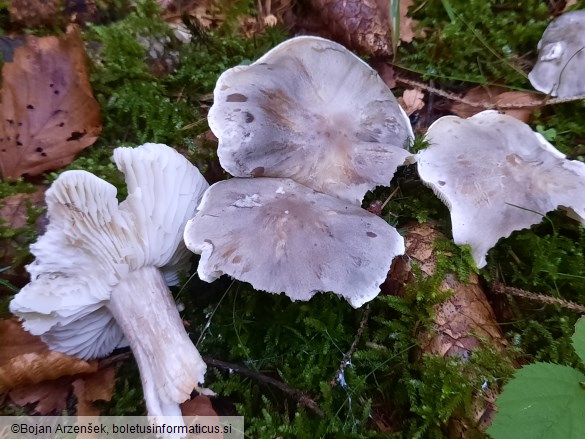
347, 356
488, 105
113, 360
503, 289
296, 394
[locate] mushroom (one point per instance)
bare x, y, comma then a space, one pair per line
312, 111
497, 176
281, 236
561, 57
97, 280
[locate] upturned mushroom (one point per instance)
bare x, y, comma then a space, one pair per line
281, 236
97, 280
312, 111
561, 57
496, 176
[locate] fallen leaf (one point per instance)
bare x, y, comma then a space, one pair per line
13, 208
98, 386
33, 13
497, 96
569, 4
407, 24
198, 406
201, 406
205, 12
26, 360
412, 100
49, 397
48, 112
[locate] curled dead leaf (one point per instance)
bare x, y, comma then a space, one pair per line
412, 101
48, 112
198, 406
407, 24
88, 389
49, 397
201, 406
26, 360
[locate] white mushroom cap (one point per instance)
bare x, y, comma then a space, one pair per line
497, 176
95, 282
281, 236
311, 111
561, 57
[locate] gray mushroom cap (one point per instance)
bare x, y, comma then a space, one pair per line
497, 176
561, 57
311, 111
281, 236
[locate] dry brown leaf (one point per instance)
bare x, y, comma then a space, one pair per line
13, 208
49, 397
198, 406
497, 96
98, 386
33, 13
48, 112
569, 4
412, 100
201, 406
407, 24
26, 360
204, 11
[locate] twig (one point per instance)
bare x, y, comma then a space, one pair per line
488, 105
347, 356
296, 394
300, 396
504, 289
114, 359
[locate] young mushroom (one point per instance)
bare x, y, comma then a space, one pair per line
497, 176
312, 111
97, 280
561, 57
281, 236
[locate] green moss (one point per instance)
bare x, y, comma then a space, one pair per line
475, 41
127, 397
139, 107
565, 128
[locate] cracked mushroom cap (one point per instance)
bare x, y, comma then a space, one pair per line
281, 236
312, 111
561, 57
92, 243
497, 176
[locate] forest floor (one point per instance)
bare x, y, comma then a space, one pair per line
429, 356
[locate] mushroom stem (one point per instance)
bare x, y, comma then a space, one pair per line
170, 366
